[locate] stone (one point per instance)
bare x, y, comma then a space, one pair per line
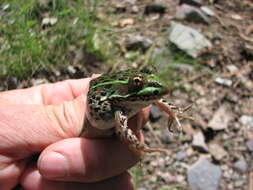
71, 69
49, 21
5, 7
181, 155
130, 1
250, 145
188, 39
134, 42
196, 3
155, 113
232, 68
199, 142
207, 11
247, 121
192, 14
135, 9
221, 118
204, 175
240, 165
223, 81
217, 151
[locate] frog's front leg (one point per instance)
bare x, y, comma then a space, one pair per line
174, 113
127, 136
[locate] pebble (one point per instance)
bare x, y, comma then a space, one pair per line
5, 6
250, 145
142, 188
217, 151
232, 68
241, 165
49, 21
188, 39
221, 118
223, 81
134, 42
71, 69
196, 3
199, 142
181, 155
247, 121
207, 11
192, 14
204, 175
131, 1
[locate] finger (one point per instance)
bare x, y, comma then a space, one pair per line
10, 172
46, 94
32, 180
85, 160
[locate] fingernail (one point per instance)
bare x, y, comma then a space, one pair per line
53, 165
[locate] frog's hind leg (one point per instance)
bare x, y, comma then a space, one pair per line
127, 136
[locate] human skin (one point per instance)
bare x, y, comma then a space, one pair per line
47, 121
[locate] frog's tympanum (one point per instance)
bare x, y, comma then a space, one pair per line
113, 98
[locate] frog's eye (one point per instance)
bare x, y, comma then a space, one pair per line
138, 80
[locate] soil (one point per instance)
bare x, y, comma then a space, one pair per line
232, 47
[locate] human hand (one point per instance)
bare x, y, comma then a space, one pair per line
49, 119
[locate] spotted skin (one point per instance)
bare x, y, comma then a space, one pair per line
113, 98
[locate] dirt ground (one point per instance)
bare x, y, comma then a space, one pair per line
219, 132
218, 108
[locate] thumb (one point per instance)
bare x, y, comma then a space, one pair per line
26, 129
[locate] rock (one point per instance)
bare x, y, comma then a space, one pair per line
155, 8
138, 42
71, 69
49, 21
166, 137
38, 81
135, 9
239, 183
188, 39
250, 145
221, 118
241, 165
125, 22
199, 142
181, 155
192, 14
223, 81
247, 121
207, 11
196, 3
5, 7
130, 1
155, 113
142, 188
120, 8
217, 151
204, 175
232, 68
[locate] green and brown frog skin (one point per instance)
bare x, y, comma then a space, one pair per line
114, 98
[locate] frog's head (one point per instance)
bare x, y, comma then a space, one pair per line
143, 85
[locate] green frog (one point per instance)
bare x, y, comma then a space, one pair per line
114, 98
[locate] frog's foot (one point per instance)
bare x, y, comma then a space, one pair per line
127, 136
175, 113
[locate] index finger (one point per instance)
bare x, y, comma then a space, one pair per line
46, 94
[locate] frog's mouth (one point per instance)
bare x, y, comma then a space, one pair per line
145, 97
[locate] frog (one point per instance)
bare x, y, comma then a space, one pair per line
116, 97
